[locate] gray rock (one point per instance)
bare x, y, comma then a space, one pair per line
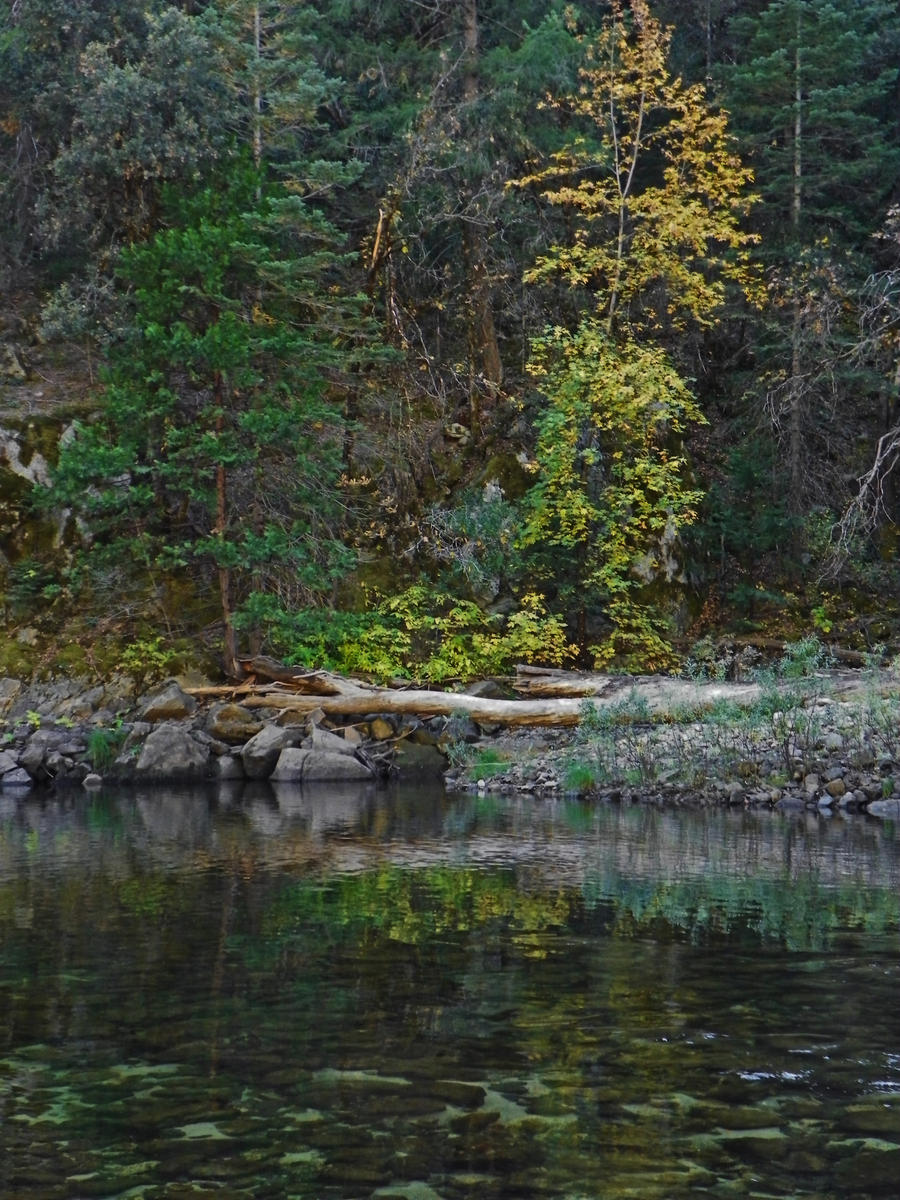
228, 766
328, 742
170, 703
261, 753
885, 808
833, 741
9, 690
57, 765
171, 753
296, 765
81, 707
92, 781
790, 802
414, 760
17, 778
41, 743
8, 762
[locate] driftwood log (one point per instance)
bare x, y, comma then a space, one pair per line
549, 697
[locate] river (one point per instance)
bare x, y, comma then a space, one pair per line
338, 994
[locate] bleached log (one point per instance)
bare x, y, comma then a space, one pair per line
427, 704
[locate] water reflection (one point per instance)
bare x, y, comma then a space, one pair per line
342, 993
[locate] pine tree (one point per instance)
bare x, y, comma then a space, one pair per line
812, 94
218, 448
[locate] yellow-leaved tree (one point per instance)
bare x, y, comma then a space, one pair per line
656, 195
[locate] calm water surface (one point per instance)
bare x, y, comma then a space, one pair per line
346, 994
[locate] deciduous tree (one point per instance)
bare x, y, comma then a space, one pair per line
656, 194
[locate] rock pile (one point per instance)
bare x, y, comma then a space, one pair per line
64, 734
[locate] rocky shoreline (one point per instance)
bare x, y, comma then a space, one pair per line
62, 734
832, 747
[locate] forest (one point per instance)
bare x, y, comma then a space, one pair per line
419, 338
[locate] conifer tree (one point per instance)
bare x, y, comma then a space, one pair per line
218, 448
812, 92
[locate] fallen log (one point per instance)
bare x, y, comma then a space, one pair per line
301, 679
547, 681
641, 694
427, 704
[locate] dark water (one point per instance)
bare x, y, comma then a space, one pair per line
266, 994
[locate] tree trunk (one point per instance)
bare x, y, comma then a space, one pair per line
229, 644
486, 368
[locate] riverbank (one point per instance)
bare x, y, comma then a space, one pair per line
790, 738
828, 741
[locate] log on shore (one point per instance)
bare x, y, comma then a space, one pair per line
366, 702
547, 681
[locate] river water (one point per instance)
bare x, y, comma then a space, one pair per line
346, 994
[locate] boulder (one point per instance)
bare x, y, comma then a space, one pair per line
171, 753
261, 753
328, 742
296, 765
8, 762
412, 760
885, 808
232, 723
41, 743
17, 778
228, 766
170, 703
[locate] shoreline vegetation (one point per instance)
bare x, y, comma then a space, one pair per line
797, 734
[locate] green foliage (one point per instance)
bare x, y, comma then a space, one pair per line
487, 763
420, 632
612, 491
476, 541
146, 661
30, 585
103, 746
218, 445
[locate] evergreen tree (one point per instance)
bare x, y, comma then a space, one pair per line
218, 448
812, 95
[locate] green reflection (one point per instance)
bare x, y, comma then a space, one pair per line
424, 999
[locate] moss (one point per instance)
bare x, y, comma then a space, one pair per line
508, 472
73, 660
17, 661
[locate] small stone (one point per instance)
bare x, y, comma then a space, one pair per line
836, 788
92, 781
